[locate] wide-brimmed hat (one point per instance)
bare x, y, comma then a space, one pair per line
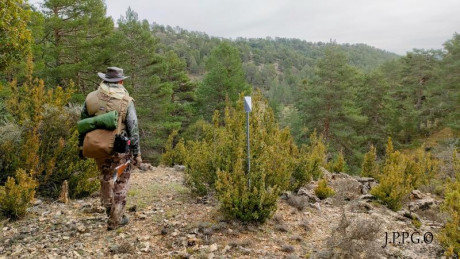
114, 74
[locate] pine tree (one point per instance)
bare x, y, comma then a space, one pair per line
225, 78
449, 94
377, 106
76, 43
328, 103
136, 49
173, 107
412, 94
153, 76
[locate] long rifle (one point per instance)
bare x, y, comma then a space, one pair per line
118, 171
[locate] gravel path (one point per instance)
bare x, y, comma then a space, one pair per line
166, 221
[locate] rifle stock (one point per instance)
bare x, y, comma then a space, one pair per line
118, 171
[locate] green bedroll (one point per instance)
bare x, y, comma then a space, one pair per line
104, 121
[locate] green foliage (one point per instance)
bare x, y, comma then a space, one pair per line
74, 42
138, 45
15, 37
369, 167
416, 222
376, 104
200, 167
323, 190
309, 160
338, 164
400, 174
84, 179
328, 104
317, 85
393, 186
16, 196
180, 152
450, 235
225, 79
267, 62
62, 161
204, 155
153, 76
449, 94
218, 161
45, 140
252, 196
27, 105
10, 140
413, 101
247, 203
167, 158
82, 175
421, 168
173, 155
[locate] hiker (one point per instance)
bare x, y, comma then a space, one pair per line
112, 96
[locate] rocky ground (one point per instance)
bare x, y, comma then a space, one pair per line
166, 221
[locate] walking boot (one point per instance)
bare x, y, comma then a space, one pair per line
123, 222
117, 217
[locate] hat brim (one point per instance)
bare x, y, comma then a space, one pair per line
111, 80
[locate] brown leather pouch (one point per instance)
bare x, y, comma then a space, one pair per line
99, 143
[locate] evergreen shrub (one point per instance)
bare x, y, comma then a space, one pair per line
323, 190
450, 234
218, 161
369, 167
46, 141
393, 186
310, 159
173, 155
17, 194
167, 158
338, 165
400, 174
10, 141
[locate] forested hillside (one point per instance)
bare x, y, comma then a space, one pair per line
194, 47
346, 108
276, 66
376, 94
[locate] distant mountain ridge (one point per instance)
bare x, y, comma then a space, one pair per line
289, 53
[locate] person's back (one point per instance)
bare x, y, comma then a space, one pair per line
112, 96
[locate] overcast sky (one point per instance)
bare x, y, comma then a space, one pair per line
394, 25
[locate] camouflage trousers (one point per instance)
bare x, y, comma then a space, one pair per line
113, 194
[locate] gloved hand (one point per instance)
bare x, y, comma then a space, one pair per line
137, 161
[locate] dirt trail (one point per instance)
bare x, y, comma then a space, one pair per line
170, 223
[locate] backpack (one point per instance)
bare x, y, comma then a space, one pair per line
99, 143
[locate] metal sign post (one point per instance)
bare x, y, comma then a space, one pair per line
248, 109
